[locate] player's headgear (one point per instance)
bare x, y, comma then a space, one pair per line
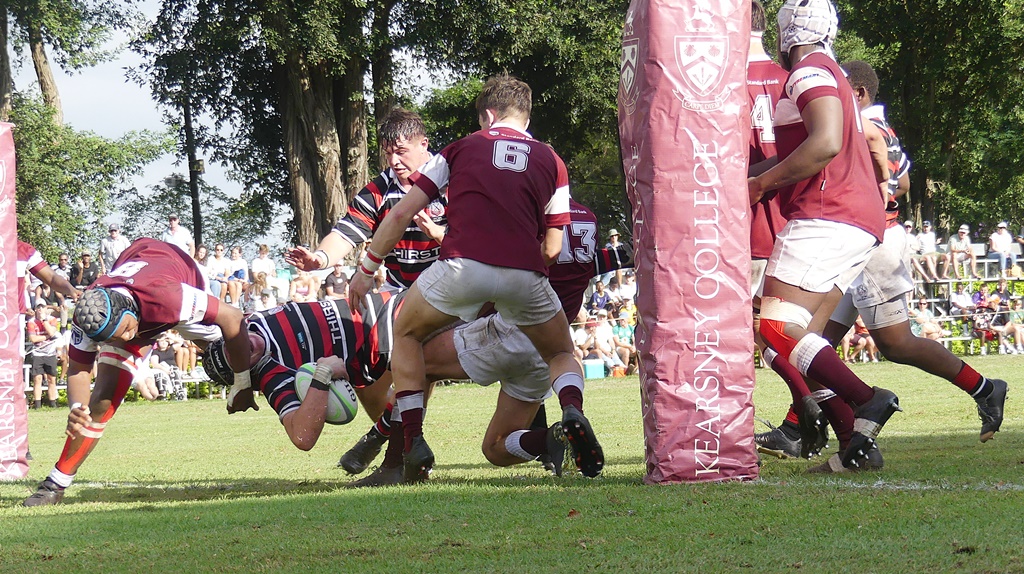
807, 22
215, 363
100, 311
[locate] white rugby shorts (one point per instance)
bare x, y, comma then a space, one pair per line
817, 255
460, 286
491, 350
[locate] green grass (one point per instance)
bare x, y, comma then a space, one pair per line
182, 487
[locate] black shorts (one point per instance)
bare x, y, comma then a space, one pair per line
45, 364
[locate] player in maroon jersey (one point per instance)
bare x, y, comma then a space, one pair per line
508, 202
152, 287
488, 350
835, 213
765, 80
403, 143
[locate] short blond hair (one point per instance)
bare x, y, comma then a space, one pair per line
507, 96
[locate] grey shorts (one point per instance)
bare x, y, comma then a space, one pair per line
491, 350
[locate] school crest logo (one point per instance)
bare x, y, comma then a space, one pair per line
628, 66
701, 58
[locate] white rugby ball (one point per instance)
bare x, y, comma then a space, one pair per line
342, 404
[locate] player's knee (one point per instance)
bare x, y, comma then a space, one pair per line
495, 454
776, 314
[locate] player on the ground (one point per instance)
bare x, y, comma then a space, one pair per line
827, 191
488, 350
354, 346
508, 202
404, 146
879, 296
153, 286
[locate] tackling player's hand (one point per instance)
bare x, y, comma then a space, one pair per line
358, 287
77, 418
427, 225
754, 189
241, 401
302, 258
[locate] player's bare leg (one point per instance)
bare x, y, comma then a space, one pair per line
86, 426
417, 321
791, 320
554, 343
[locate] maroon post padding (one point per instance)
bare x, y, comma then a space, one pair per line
684, 123
13, 410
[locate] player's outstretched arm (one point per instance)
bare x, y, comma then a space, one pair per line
388, 234
305, 424
57, 282
236, 340
332, 248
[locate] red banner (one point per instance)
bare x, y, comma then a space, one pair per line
13, 410
684, 122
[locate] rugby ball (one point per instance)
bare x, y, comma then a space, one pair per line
342, 404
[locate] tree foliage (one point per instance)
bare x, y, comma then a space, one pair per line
65, 178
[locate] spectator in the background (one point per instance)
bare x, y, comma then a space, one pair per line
959, 253
175, 234
44, 334
219, 268
622, 333
264, 263
960, 303
606, 342
980, 297
1004, 295
265, 301
628, 287
614, 292
923, 323
63, 266
336, 283
1015, 323
202, 254
599, 298
304, 287
928, 253
238, 276
111, 246
999, 244
613, 242
84, 271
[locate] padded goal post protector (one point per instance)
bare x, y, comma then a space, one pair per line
13, 410
684, 121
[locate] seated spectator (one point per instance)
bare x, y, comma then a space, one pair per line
622, 333
982, 325
1003, 294
84, 271
304, 287
961, 305
599, 298
202, 254
923, 323
586, 340
980, 297
926, 259
628, 288
219, 268
960, 252
336, 283
629, 309
265, 301
1015, 324
999, 244
265, 263
258, 286
862, 341
238, 276
163, 359
606, 342
614, 294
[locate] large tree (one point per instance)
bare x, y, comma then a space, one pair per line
65, 178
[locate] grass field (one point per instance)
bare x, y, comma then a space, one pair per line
182, 487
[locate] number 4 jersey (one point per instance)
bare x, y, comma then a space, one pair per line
505, 189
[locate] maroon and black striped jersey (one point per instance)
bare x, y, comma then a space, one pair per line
415, 251
300, 333
580, 259
899, 162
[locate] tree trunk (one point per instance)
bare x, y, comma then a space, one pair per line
6, 82
382, 61
311, 147
47, 83
352, 127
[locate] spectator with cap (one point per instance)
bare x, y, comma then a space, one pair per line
999, 244
175, 234
111, 247
959, 253
613, 242
84, 271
